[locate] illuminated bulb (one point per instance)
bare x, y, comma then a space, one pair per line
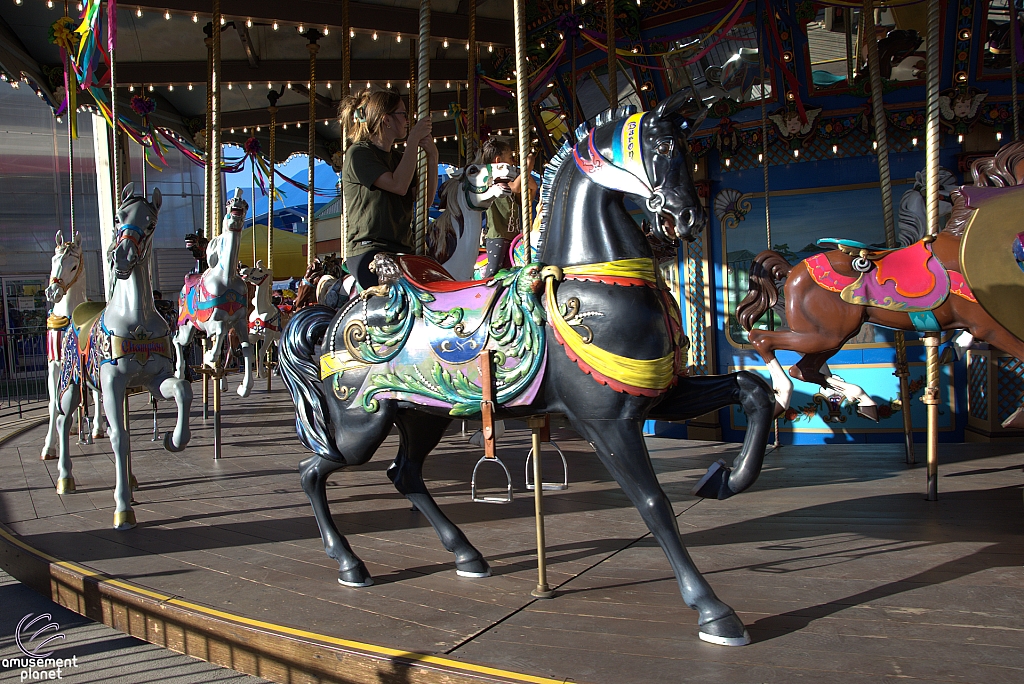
728, 162
960, 138
49, 5
232, 131
796, 153
275, 26
257, 129
285, 126
131, 89
490, 48
448, 84
874, 144
248, 22
444, 44
835, 149
407, 84
167, 15
467, 47
398, 38
138, 10
229, 86
695, 167
446, 115
388, 85
79, 9
351, 33
760, 157
327, 31
270, 86
195, 18
150, 88
328, 85
302, 28
375, 35
298, 125
999, 135
913, 141
435, 140
493, 110
222, 21
190, 86
542, 45
367, 85
289, 85
445, 139
170, 86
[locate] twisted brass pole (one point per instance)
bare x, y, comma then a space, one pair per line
113, 122
471, 88
423, 111
1014, 26
215, 142
313, 35
346, 61
932, 121
209, 212
613, 67
270, 204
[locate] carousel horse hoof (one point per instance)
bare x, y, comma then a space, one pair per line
124, 520
725, 631
65, 485
169, 444
49, 455
947, 353
869, 412
476, 569
715, 483
357, 577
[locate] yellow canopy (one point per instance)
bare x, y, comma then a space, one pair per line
289, 259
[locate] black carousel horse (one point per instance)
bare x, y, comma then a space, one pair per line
602, 345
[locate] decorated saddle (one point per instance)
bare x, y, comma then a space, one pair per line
88, 344
910, 280
195, 303
425, 346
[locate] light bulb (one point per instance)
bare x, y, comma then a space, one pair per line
796, 153
250, 86
727, 162
138, 10
131, 88
167, 15
257, 129
999, 135
190, 86
351, 33
388, 85
455, 137
398, 38
913, 141
695, 168
444, 44
327, 31
446, 113
760, 157
302, 28
835, 149
289, 85
285, 127
222, 21
367, 85
407, 85
298, 124
170, 86
275, 26
490, 48
467, 47
195, 18
232, 131
960, 138
150, 88
375, 35
49, 5
448, 84
542, 46
328, 85
446, 138
248, 22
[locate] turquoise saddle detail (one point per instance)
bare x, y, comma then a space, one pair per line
851, 244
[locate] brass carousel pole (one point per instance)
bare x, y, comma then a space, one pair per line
113, 115
1015, 106
613, 65
312, 35
346, 60
215, 153
536, 423
767, 197
885, 184
209, 210
270, 218
422, 111
931, 340
472, 92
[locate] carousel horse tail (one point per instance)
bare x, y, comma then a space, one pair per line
301, 373
767, 267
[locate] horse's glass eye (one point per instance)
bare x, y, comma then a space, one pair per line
664, 148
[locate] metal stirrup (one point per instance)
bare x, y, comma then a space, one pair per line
549, 486
491, 499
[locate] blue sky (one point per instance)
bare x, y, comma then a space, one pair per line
297, 168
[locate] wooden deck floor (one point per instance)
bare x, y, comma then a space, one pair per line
840, 569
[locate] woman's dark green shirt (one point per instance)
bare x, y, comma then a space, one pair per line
377, 219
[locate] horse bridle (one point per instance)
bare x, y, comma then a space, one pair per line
78, 272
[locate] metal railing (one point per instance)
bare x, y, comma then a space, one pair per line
22, 371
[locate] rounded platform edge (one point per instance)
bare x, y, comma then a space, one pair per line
275, 652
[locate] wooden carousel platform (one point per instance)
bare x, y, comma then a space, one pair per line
839, 567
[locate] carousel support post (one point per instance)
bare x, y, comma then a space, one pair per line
217, 206
536, 424
613, 65
931, 400
209, 211
1014, 27
206, 390
156, 425
116, 147
312, 35
767, 194
346, 61
216, 414
885, 184
472, 92
423, 111
270, 203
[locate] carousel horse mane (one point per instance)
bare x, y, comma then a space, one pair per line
1005, 169
445, 224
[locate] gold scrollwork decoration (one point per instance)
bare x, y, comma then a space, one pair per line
353, 336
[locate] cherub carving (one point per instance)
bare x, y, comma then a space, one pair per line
959, 109
790, 127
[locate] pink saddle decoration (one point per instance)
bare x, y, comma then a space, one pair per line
909, 279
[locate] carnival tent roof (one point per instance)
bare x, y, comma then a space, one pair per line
289, 256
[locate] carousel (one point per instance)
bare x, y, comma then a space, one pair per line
754, 349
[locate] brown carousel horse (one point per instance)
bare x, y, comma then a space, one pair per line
829, 296
306, 293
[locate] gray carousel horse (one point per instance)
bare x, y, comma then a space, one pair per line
123, 344
66, 290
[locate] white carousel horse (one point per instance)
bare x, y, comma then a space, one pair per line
214, 301
265, 319
65, 291
120, 345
